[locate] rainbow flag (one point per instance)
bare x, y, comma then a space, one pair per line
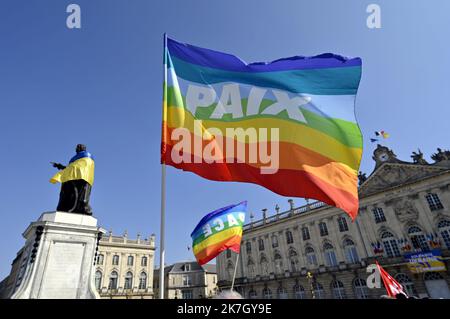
287, 125
218, 231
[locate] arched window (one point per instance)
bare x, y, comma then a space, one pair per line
248, 246
342, 222
390, 245
299, 292
113, 280
143, 280
267, 294
115, 260
434, 202
289, 238
444, 230
278, 263
418, 239
144, 261
252, 294
360, 287
293, 259
323, 229
282, 293
130, 261
406, 283
98, 280
128, 280
338, 289
100, 259
274, 241
318, 290
350, 251
330, 255
311, 256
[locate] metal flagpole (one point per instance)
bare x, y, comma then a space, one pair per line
163, 190
234, 275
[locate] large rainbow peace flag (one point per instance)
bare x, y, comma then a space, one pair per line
218, 231
287, 125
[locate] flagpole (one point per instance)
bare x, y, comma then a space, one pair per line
234, 275
163, 191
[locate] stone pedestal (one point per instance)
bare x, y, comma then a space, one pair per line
58, 258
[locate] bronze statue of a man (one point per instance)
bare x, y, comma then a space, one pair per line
76, 182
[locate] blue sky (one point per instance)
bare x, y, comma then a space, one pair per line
102, 86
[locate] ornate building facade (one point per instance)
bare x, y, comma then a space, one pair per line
124, 267
404, 207
187, 280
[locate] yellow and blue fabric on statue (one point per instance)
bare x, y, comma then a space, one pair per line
81, 166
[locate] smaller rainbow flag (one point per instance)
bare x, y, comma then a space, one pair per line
218, 231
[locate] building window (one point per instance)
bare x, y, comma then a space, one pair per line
350, 251
144, 261
342, 222
434, 202
248, 246
338, 289
267, 294
360, 288
444, 229
406, 283
432, 276
228, 253
318, 290
115, 260
143, 280
98, 280
274, 241
250, 268
186, 280
323, 229
100, 259
128, 280
282, 293
252, 294
187, 267
113, 278
418, 239
390, 245
378, 214
130, 261
299, 292
289, 238
187, 294
305, 233
261, 244
311, 256
330, 255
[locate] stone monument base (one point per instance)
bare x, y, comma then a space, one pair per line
58, 258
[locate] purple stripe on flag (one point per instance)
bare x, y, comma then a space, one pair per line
229, 62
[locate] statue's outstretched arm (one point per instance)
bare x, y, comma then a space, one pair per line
58, 165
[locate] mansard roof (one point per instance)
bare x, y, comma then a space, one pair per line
390, 172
